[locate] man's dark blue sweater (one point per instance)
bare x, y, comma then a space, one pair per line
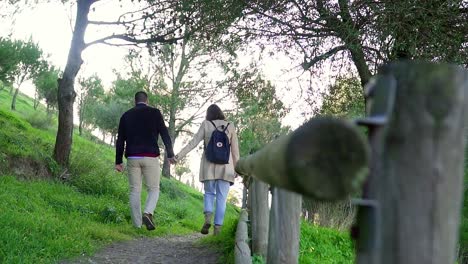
139, 129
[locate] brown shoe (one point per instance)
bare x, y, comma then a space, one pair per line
206, 226
217, 230
148, 221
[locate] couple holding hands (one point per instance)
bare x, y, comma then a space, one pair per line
137, 139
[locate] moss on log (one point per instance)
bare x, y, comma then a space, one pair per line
326, 158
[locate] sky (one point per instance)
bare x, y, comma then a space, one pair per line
50, 25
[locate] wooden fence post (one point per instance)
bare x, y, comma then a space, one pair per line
244, 197
242, 250
419, 180
259, 216
283, 241
326, 158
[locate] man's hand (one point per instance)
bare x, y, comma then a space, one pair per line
172, 160
119, 167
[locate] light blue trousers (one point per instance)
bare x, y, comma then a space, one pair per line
216, 190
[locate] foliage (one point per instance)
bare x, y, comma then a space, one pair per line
90, 94
369, 33
51, 220
225, 242
24, 145
181, 169
47, 85
258, 109
323, 245
107, 115
344, 98
256, 259
40, 120
30, 63
8, 60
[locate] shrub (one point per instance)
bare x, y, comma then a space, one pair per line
171, 189
39, 120
111, 215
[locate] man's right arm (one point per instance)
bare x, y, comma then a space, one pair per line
120, 143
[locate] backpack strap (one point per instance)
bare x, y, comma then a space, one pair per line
225, 128
213, 124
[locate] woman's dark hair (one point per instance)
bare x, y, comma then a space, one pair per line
214, 113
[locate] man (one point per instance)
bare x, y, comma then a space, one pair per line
139, 128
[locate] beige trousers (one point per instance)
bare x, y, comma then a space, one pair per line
147, 169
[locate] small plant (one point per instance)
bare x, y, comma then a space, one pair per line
111, 215
170, 188
256, 259
39, 120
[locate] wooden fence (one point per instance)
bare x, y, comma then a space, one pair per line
410, 209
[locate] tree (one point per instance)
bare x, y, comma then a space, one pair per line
344, 98
28, 57
8, 60
258, 110
92, 90
154, 22
47, 86
178, 79
107, 120
366, 33
181, 169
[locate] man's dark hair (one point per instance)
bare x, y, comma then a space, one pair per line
214, 113
141, 97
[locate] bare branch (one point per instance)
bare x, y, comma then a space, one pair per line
308, 64
155, 39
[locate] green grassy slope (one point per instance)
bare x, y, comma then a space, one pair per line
44, 219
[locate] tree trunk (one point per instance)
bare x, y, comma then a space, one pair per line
80, 127
13, 101
36, 101
419, 181
260, 215
176, 81
166, 169
348, 31
283, 241
66, 92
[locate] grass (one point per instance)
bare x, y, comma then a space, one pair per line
324, 245
318, 245
44, 220
225, 241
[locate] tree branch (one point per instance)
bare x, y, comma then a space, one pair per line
308, 64
155, 39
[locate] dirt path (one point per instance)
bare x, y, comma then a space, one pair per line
160, 250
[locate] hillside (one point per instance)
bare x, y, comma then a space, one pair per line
46, 219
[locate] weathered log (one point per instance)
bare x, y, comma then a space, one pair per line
283, 241
242, 250
259, 217
418, 179
326, 158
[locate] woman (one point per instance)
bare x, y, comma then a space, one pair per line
216, 178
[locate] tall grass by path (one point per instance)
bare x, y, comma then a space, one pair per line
44, 219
